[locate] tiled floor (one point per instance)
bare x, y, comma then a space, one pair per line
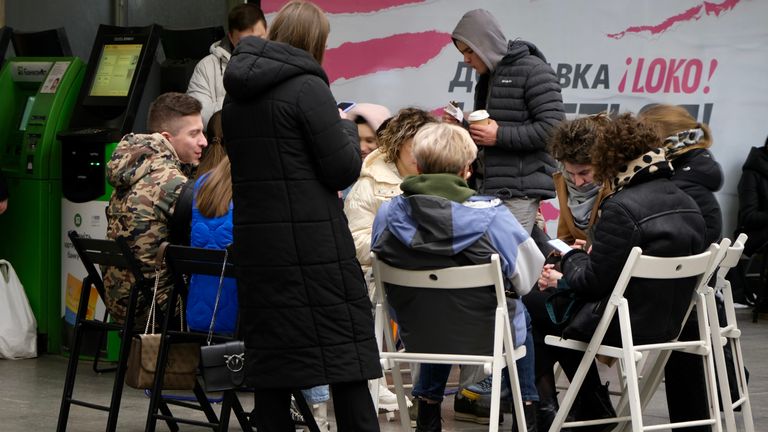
30, 393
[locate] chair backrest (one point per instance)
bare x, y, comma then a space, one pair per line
701, 266
733, 255
111, 253
186, 260
445, 310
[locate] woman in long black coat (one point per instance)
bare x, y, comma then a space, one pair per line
304, 310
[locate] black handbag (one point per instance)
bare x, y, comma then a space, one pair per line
223, 365
576, 318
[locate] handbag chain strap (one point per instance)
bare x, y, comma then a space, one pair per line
152, 307
218, 297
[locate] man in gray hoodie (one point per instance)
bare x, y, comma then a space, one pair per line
521, 93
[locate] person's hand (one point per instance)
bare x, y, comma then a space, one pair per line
484, 135
343, 115
3, 206
447, 118
579, 244
549, 277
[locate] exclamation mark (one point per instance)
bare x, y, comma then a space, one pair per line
712, 67
623, 82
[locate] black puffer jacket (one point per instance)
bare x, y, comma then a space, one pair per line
662, 220
699, 175
522, 94
304, 310
753, 199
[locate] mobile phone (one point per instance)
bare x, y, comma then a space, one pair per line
345, 106
560, 246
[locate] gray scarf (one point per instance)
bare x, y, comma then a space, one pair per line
581, 199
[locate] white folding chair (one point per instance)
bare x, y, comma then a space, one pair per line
730, 334
638, 391
427, 341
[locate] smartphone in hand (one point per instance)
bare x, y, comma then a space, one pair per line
345, 106
560, 246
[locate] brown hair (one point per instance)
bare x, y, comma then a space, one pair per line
398, 129
215, 151
624, 139
244, 16
672, 119
572, 140
169, 107
215, 193
303, 25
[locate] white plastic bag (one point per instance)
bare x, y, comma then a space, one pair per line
18, 328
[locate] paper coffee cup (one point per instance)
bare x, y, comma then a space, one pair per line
479, 117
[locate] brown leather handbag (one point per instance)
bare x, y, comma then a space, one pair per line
183, 359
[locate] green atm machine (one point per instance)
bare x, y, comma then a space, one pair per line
107, 106
37, 95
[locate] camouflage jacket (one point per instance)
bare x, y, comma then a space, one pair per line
147, 177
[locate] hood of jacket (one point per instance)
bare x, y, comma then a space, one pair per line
258, 65
438, 225
222, 49
377, 168
136, 156
757, 161
698, 166
480, 30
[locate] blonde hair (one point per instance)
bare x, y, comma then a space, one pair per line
303, 25
672, 119
443, 148
399, 129
215, 193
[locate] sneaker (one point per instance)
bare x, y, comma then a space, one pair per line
480, 392
320, 413
388, 400
468, 410
296, 416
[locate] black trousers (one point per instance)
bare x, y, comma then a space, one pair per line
352, 406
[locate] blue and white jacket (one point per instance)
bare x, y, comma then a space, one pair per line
211, 233
419, 231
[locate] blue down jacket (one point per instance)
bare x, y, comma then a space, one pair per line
211, 233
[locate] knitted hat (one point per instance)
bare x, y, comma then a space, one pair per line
373, 114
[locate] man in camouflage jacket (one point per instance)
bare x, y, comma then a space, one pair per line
148, 172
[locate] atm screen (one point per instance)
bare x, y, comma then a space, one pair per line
115, 70
26, 113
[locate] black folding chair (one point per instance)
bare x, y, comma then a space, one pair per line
93, 252
184, 261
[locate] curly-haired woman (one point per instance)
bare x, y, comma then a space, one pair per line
383, 171
646, 210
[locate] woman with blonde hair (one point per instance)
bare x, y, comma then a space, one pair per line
305, 315
696, 171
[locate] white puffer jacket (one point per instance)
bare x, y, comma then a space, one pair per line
207, 82
379, 182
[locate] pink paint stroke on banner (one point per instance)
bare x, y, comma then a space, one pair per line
343, 6
406, 50
691, 14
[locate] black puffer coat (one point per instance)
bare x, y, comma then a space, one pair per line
753, 199
523, 96
699, 175
304, 310
662, 220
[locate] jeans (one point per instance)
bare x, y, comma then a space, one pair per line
316, 395
433, 377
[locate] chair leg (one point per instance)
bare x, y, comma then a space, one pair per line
102, 344
74, 356
305, 411
205, 404
242, 417
163, 407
